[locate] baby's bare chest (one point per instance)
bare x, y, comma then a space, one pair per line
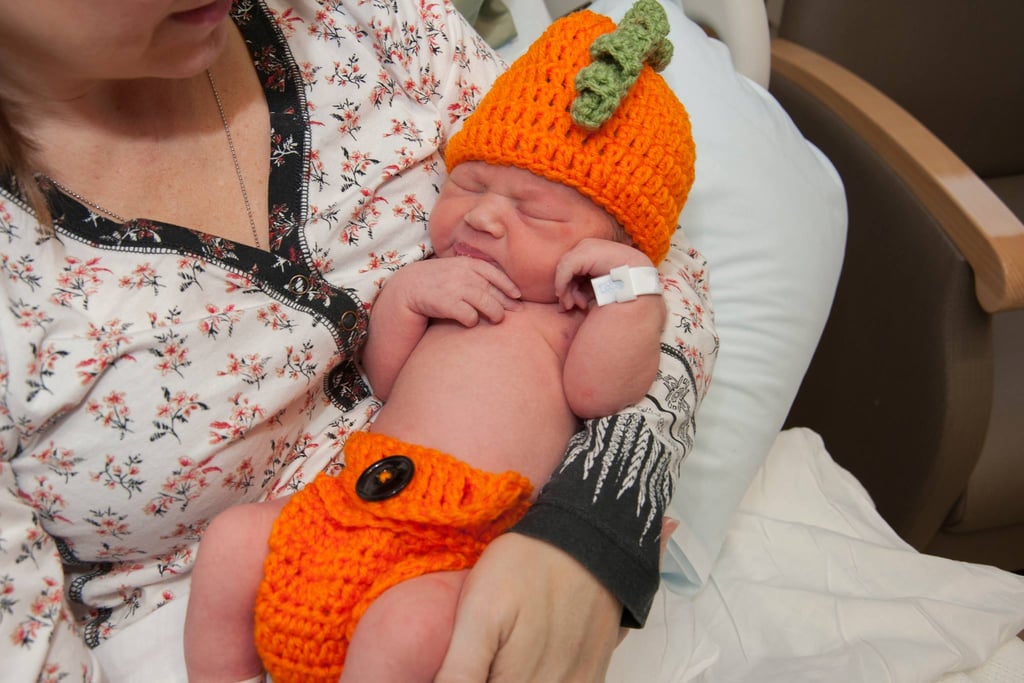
539, 335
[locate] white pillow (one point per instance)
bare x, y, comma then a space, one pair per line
768, 212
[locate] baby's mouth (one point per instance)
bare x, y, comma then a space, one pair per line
463, 249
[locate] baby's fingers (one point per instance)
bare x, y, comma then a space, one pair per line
577, 293
500, 280
492, 303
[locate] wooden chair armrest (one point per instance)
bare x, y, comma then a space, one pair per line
982, 227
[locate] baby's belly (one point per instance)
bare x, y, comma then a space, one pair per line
491, 396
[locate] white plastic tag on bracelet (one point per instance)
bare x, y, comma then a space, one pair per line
625, 284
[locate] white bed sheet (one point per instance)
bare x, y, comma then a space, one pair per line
812, 585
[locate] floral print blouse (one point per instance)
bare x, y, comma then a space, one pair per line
152, 375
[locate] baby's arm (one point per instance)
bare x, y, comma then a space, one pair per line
457, 288
614, 356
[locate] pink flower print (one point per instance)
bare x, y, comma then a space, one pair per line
78, 280
142, 276
275, 317
7, 600
183, 486
354, 167
383, 93
406, 130
29, 315
411, 209
109, 523
347, 73
286, 453
251, 369
172, 353
131, 597
242, 478
43, 611
315, 173
460, 56
243, 416
60, 461
390, 261
21, 270
109, 337
123, 475
299, 363
429, 17
40, 367
218, 320
469, 94
424, 90
696, 278
286, 21
348, 119
116, 553
34, 542
126, 567
322, 264
189, 270
111, 411
172, 317
52, 673
46, 501
406, 158
107, 342
307, 72
364, 217
239, 283
191, 532
324, 27
176, 409
175, 562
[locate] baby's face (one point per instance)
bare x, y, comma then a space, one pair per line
519, 221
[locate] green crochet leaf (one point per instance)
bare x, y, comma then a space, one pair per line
618, 58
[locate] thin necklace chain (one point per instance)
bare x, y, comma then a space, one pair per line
234, 159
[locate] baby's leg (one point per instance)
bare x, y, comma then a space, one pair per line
219, 644
404, 634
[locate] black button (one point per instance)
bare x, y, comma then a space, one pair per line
385, 478
349, 320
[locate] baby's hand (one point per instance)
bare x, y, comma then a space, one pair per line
456, 288
592, 257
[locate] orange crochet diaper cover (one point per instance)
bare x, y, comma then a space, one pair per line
395, 512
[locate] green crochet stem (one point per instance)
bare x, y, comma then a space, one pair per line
618, 58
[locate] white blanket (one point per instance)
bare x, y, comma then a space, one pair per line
812, 585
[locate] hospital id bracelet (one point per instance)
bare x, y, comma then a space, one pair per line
625, 284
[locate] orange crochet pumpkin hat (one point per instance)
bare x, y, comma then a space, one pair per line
637, 164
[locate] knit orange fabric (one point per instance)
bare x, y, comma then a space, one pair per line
332, 553
639, 165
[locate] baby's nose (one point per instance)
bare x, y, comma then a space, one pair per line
487, 215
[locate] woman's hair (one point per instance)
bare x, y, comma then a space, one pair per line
16, 152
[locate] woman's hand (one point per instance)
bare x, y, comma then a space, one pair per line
529, 612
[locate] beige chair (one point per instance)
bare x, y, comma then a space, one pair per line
917, 386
